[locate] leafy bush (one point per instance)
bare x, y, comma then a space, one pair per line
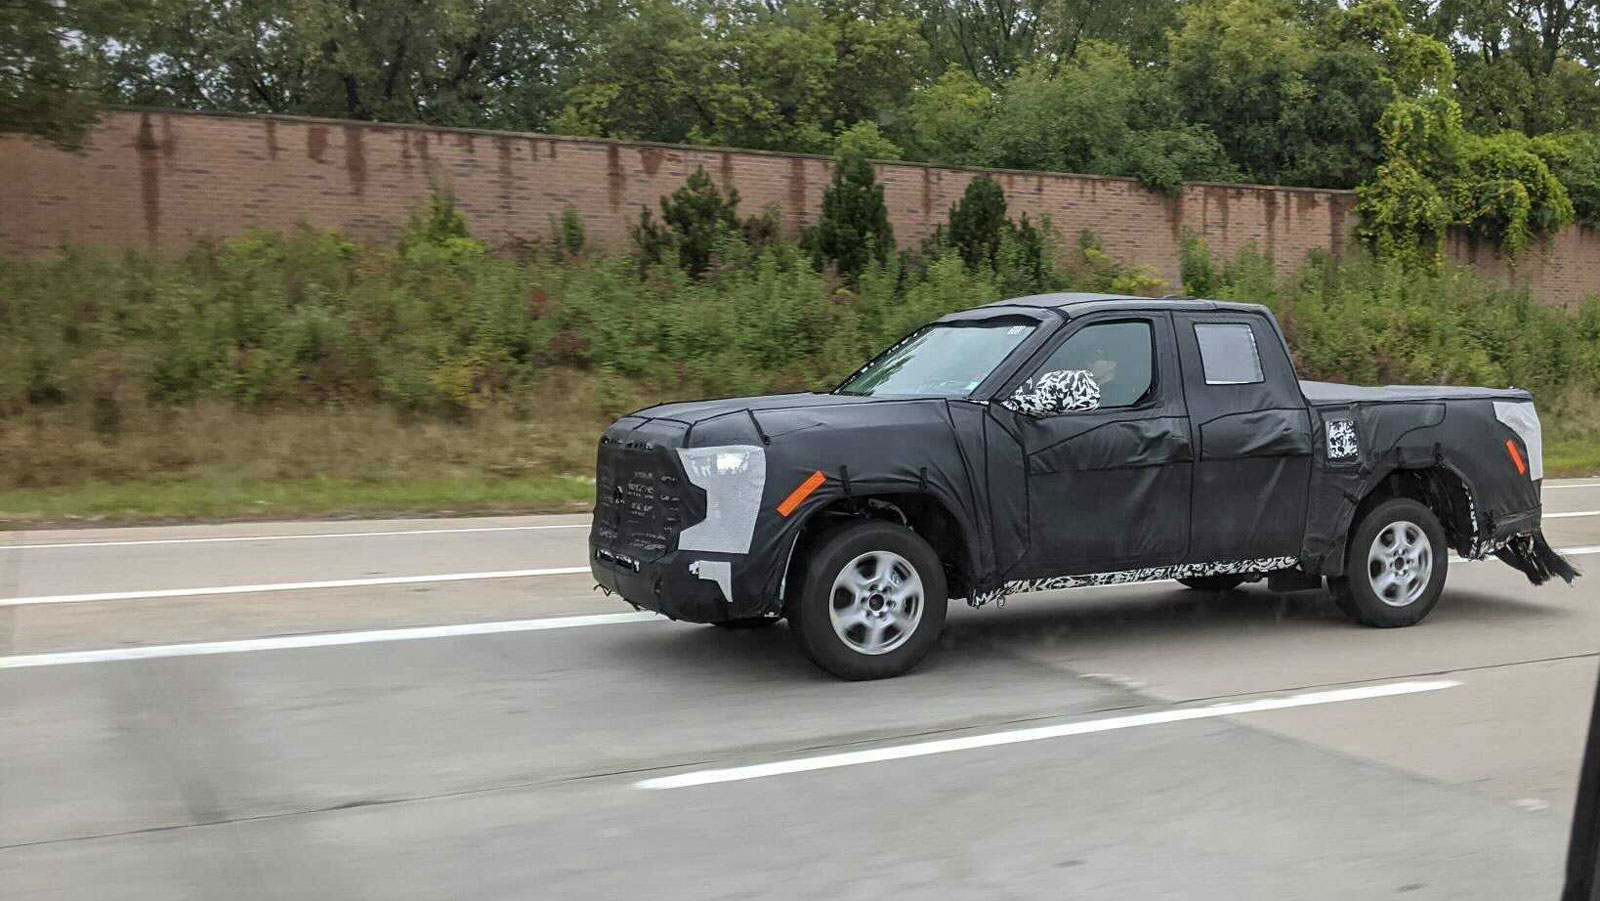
567, 233
438, 224
307, 320
1090, 268
652, 241
1366, 320
1201, 277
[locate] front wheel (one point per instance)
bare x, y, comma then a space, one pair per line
871, 601
1394, 567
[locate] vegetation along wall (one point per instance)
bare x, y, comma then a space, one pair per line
162, 179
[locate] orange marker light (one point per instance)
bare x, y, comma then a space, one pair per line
797, 496
1516, 456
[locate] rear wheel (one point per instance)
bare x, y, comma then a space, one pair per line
1394, 566
1212, 583
871, 602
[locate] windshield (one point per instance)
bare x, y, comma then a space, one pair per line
948, 360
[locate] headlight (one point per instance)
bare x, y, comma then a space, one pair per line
733, 477
718, 462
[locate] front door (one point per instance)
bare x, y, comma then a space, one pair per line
1107, 487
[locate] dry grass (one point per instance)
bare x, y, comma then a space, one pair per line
217, 499
551, 434
1572, 434
213, 461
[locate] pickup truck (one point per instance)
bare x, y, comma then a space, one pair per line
1057, 441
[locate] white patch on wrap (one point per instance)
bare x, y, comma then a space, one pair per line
718, 571
1342, 440
1050, 393
1522, 418
1128, 576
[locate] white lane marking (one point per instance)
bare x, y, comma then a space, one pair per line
1015, 736
133, 542
306, 537
1549, 487
288, 586
437, 577
323, 640
334, 639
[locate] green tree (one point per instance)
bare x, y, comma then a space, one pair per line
1508, 194
1101, 115
1574, 159
785, 79
1296, 100
992, 40
1436, 175
942, 121
1526, 65
854, 230
700, 217
46, 73
865, 139
978, 223
1408, 206
496, 63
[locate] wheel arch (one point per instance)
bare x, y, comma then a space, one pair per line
921, 512
1440, 487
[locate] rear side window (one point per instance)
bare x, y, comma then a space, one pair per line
1228, 353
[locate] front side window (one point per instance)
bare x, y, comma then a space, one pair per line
1228, 353
1115, 355
944, 360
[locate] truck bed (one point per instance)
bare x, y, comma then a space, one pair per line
1334, 393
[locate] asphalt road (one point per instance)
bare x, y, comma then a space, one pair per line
166, 733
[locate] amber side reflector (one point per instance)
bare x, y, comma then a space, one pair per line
797, 496
1516, 456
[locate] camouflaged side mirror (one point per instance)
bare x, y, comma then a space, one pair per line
1055, 393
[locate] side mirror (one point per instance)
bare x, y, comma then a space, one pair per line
1054, 393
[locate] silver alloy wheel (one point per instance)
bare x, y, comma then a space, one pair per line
1400, 563
876, 602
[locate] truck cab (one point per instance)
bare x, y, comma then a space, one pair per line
1059, 441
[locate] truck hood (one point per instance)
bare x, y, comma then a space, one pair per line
697, 411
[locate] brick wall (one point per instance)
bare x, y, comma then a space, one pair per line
160, 179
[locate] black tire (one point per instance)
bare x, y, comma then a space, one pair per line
1409, 598
1218, 583
747, 622
811, 609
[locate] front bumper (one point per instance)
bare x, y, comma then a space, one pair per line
669, 587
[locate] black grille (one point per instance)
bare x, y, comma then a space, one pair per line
642, 501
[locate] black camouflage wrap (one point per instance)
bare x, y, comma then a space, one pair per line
1196, 480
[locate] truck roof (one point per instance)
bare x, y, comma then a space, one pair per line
1069, 303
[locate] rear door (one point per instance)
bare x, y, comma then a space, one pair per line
1107, 489
1252, 432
